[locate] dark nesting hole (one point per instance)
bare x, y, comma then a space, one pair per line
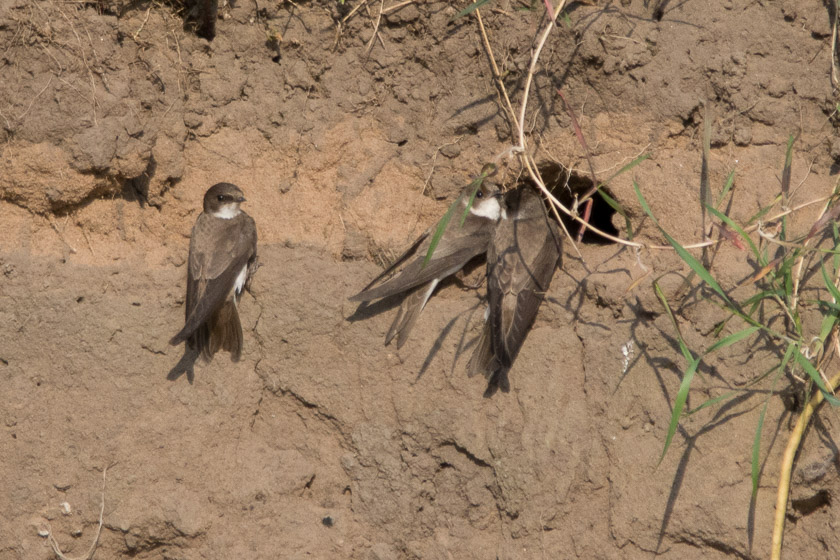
565, 188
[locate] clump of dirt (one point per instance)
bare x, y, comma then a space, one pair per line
351, 126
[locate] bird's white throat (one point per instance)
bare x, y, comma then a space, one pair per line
228, 211
490, 209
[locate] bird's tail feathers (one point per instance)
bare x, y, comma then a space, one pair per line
226, 331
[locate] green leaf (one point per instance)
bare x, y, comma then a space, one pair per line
683, 347
469, 9
732, 339
486, 170
730, 180
835, 293
469, 205
679, 404
626, 168
760, 214
835, 307
714, 401
739, 230
816, 378
441, 227
758, 296
695, 265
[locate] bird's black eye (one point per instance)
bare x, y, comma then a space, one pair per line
220, 198
479, 194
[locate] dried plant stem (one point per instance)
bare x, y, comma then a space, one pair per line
787, 466
89, 554
60, 233
353, 11
375, 29
797, 269
749, 229
834, 81
534, 58
397, 6
496, 74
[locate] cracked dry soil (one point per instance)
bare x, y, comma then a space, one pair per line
321, 442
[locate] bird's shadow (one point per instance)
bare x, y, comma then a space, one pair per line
185, 365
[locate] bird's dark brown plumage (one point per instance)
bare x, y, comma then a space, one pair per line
521, 261
222, 252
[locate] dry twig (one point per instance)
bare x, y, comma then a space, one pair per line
89, 554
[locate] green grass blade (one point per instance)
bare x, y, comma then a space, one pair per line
732, 339
739, 230
727, 186
763, 211
712, 402
764, 294
441, 227
469, 205
469, 9
683, 347
695, 265
832, 307
682, 394
835, 293
487, 170
679, 404
626, 168
816, 378
788, 356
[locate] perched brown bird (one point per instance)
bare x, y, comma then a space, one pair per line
223, 253
459, 243
521, 261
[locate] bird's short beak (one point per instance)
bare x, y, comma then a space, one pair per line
241, 199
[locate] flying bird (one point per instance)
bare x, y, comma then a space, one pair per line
458, 244
223, 254
521, 260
